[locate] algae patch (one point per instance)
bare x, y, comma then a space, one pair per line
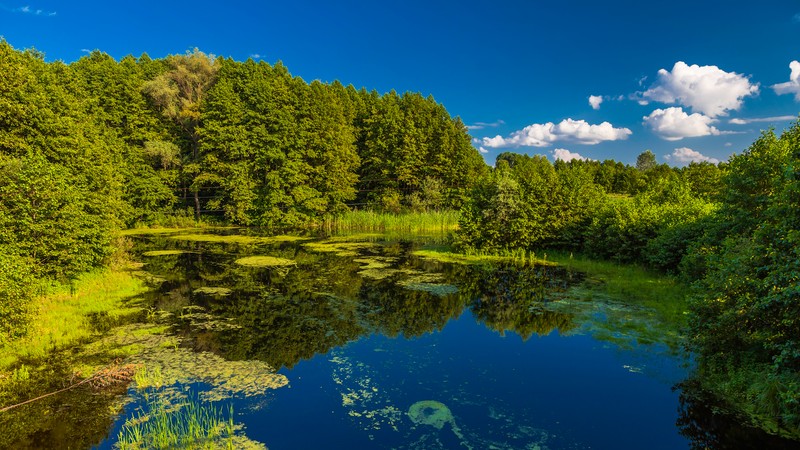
265, 261
165, 252
237, 239
338, 248
437, 415
216, 291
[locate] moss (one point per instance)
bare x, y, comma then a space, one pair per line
264, 261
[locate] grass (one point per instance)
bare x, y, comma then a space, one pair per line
190, 424
61, 318
370, 221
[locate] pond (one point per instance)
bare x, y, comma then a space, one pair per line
363, 341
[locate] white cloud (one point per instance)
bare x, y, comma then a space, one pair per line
482, 125
570, 130
728, 144
745, 121
685, 155
793, 85
706, 89
566, 155
674, 124
255, 56
595, 101
36, 12
483, 150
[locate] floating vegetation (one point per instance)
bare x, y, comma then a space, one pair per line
443, 254
363, 399
265, 261
159, 230
377, 267
165, 252
216, 291
428, 282
337, 247
431, 412
237, 238
178, 365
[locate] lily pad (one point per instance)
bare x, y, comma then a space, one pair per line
165, 252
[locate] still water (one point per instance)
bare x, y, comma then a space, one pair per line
385, 349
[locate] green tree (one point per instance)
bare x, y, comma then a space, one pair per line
645, 161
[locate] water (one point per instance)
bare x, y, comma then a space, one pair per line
384, 349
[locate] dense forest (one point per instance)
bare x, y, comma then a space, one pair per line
98, 145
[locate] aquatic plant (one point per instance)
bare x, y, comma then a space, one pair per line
188, 424
237, 238
209, 290
437, 415
164, 252
432, 221
264, 261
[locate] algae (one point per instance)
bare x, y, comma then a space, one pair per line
428, 282
165, 252
338, 248
437, 415
265, 261
237, 239
217, 291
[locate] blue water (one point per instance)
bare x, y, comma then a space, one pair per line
558, 392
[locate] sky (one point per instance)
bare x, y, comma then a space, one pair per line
689, 80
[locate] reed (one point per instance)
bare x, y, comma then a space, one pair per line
412, 222
190, 424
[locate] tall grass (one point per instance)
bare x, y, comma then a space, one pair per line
413, 222
62, 317
189, 424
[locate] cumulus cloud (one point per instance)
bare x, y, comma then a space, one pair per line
685, 155
674, 124
745, 121
482, 150
595, 101
482, 125
793, 85
569, 130
706, 89
566, 155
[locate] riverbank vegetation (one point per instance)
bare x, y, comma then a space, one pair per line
98, 145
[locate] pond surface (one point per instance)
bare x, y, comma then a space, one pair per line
372, 341
385, 349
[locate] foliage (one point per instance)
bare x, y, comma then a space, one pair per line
745, 320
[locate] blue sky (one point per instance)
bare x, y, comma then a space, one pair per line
686, 79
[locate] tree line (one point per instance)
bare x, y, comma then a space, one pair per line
731, 230
97, 145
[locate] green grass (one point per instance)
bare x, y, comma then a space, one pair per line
61, 318
189, 424
370, 221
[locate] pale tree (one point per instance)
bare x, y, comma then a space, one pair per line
178, 94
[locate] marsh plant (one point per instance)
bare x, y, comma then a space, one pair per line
188, 423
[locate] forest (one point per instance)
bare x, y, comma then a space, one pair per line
97, 146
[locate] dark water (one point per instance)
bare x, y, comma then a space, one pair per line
508, 355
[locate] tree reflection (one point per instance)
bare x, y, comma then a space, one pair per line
707, 424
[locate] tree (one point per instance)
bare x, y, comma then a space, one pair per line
646, 161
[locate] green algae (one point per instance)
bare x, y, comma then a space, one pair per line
265, 261
215, 291
437, 415
428, 282
237, 239
165, 252
338, 248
